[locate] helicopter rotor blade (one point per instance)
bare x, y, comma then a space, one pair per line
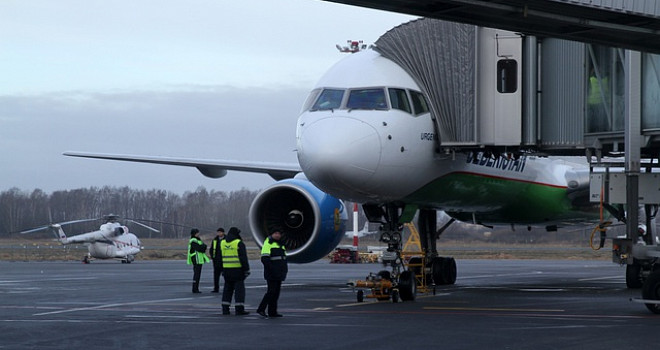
40, 228
143, 225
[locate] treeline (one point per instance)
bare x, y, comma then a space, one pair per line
172, 214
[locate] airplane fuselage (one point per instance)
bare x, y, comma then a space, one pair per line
371, 151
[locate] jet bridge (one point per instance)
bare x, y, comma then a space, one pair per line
501, 91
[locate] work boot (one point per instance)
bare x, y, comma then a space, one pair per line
240, 311
225, 310
195, 287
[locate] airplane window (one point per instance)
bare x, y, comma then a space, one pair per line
399, 100
419, 102
313, 95
328, 99
367, 99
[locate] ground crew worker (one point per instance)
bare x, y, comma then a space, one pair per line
273, 257
235, 269
216, 257
196, 257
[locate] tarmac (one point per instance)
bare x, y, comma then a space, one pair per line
495, 304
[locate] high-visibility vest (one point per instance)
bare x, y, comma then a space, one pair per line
266, 250
200, 257
230, 258
214, 243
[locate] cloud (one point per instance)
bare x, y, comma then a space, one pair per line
200, 122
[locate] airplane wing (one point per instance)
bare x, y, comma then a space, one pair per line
213, 168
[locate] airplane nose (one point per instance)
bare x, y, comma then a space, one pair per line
339, 153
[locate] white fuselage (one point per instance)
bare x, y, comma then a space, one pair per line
380, 155
112, 240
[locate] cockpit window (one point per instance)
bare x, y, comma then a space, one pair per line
399, 100
313, 95
367, 99
419, 102
328, 99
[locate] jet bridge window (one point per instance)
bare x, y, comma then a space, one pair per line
367, 99
328, 99
419, 102
507, 76
399, 100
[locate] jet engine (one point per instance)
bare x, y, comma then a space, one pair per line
312, 222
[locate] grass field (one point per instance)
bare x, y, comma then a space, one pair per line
175, 249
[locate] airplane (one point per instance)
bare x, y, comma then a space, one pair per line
353, 145
366, 135
111, 241
363, 232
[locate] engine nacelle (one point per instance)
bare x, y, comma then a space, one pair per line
312, 222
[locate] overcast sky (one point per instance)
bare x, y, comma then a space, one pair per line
204, 79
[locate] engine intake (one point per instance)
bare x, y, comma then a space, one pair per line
312, 222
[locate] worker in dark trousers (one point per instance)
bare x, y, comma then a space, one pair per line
273, 257
235, 269
196, 257
216, 257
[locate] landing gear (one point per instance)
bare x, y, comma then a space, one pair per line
651, 291
443, 270
407, 286
421, 270
85, 259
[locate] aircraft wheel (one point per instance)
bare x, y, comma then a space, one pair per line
450, 271
444, 270
634, 275
360, 296
437, 268
651, 291
407, 286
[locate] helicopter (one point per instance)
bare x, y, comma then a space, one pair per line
111, 241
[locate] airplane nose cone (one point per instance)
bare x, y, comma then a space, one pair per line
339, 153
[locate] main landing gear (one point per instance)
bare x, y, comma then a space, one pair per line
404, 278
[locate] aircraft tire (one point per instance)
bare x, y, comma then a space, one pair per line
634, 275
449, 272
651, 291
444, 270
407, 286
437, 268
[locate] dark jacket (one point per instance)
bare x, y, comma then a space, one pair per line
274, 261
237, 274
216, 254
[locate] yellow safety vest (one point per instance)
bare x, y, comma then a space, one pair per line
200, 258
230, 258
265, 249
215, 248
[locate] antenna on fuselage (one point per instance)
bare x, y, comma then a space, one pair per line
353, 46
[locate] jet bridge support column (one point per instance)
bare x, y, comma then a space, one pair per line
633, 127
644, 252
